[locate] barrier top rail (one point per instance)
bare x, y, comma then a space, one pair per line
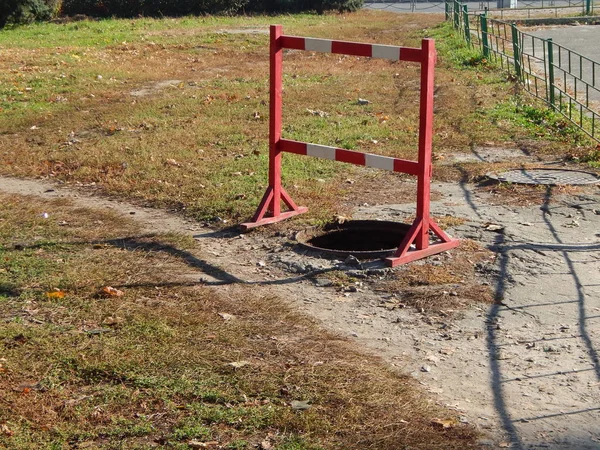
390, 52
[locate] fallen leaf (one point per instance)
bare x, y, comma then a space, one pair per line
197, 444
492, 226
226, 316
444, 423
266, 445
109, 291
55, 293
113, 321
172, 162
27, 387
6, 431
505, 444
238, 364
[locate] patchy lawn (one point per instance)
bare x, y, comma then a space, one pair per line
174, 112
104, 344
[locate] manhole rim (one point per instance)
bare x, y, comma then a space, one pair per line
303, 236
498, 176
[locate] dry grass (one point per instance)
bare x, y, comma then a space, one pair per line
199, 144
152, 368
446, 283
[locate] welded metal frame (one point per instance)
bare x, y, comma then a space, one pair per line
416, 243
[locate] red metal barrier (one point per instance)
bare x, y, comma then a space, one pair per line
415, 244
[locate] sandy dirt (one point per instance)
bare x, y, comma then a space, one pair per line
525, 371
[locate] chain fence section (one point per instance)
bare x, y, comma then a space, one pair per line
565, 79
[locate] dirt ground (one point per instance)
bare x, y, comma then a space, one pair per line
524, 370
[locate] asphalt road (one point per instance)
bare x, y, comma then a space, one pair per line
438, 6
582, 39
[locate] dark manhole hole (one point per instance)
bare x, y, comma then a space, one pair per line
550, 177
361, 238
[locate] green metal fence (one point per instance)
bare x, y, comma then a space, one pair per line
568, 81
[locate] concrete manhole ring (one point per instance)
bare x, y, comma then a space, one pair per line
551, 177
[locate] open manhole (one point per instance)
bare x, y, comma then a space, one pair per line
363, 239
550, 177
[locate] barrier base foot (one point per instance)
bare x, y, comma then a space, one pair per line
413, 255
268, 220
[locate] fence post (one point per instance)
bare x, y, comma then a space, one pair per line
456, 11
516, 50
588, 7
447, 9
466, 24
550, 47
484, 36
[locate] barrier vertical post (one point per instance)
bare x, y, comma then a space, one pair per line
447, 9
269, 210
276, 60
419, 231
425, 141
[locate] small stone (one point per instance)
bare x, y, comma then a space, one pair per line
300, 405
426, 369
261, 264
323, 282
363, 101
352, 261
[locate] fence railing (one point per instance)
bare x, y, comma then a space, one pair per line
565, 79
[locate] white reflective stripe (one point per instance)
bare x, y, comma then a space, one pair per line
317, 45
320, 151
386, 52
379, 162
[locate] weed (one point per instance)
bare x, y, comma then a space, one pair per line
592, 158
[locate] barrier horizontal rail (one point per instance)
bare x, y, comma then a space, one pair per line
350, 156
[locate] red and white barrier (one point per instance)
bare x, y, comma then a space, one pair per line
416, 243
